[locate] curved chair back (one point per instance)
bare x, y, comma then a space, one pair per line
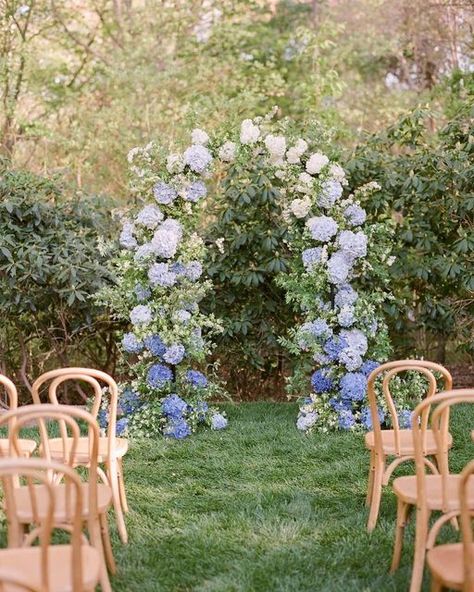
10, 389
390, 370
466, 528
33, 472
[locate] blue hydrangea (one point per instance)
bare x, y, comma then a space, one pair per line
355, 215
368, 366
201, 409
331, 191
322, 228
197, 158
174, 354
159, 376
178, 429
321, 381
339, 267
346, 317
313, 329
196, 379
353, 386
144, 252
334, 346
173, 406
311, 257
196, 191
126, 239
355, 340
140, 315
321, 359
131, 344
404, 418
173, 226
155, 345
103, 418
340, 404
182, 316
218, 421
178, 268
164, 193
346, 419
366, 417
149, 216
306, 421
142, 292
159, 274
372, 327
345, 296
193, 270
351, 359
165, 242
354, 244
129, 402
121, 426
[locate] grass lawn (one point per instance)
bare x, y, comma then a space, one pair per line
259, 508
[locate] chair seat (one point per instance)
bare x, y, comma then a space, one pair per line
27, 447
446, 562
406, 442
25, 566
82, 453
61, 515
406, 489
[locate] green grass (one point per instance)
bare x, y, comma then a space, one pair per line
260, 508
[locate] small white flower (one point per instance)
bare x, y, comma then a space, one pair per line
280, 174
220, 244
132, 153
249, 133
293, 156
300, 207
391, 261
227, 151
306, 179
316, 163
337, 172
301, 146
174, 164
324, 254
276, 145
199, 136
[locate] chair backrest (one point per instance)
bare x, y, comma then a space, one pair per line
441, 404
35, 471
11, 391
390, 370
68, 419
90, 376
466, 527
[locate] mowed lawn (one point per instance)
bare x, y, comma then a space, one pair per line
260, 507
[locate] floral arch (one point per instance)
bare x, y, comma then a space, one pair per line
336, 284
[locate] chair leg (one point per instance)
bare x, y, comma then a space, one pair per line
370, 485
123, 494
114, 485
109, 554
421, 535
402, 512
96, 541
376, 495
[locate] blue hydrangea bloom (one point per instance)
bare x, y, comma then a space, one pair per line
142, 292
313, 329
164, 193
354, 244
404, 418
334, 346
351, 359
126, 239
149, 216
144, 252
368, 366
353, 386
158, 376
340, 404
321, 381
339, 267
366, 417
178, 268
306, 421
174, 354
155, 345
182, 316
178, 429
355, 215
346, 317
121, 426
355, 340
218, 421
197, 157
103, 418
131, 344
311, 257
129, 401
331, 191
196, 379
201, 408
159, 274
193, 270
322, 228
345, 296
196, 191
346, 419
173, 406
140, 315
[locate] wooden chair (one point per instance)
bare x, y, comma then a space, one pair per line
96, 498
73, 567
27, 447
438, 492
395, 442
111, 448
452, 566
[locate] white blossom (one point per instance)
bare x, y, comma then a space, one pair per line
227, 151
174, 164
276, 146
220, 244
249, 133
337, 172
199, 136
316, 162
300, 207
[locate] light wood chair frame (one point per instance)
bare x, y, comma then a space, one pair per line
425, 536
379, 472
113, 474
28, 446
67, 417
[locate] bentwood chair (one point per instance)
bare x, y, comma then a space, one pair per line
452, 566
396, 443
111, 448
437, 492
95, 498
45, 567
27, 447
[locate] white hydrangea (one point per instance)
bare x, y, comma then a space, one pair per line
174, 164
301, 145
295, 153
316, 163
220, 244
276, 146
300, 207
199, 136
228, 151
249, 133
149, 216
337, 172
306, 179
